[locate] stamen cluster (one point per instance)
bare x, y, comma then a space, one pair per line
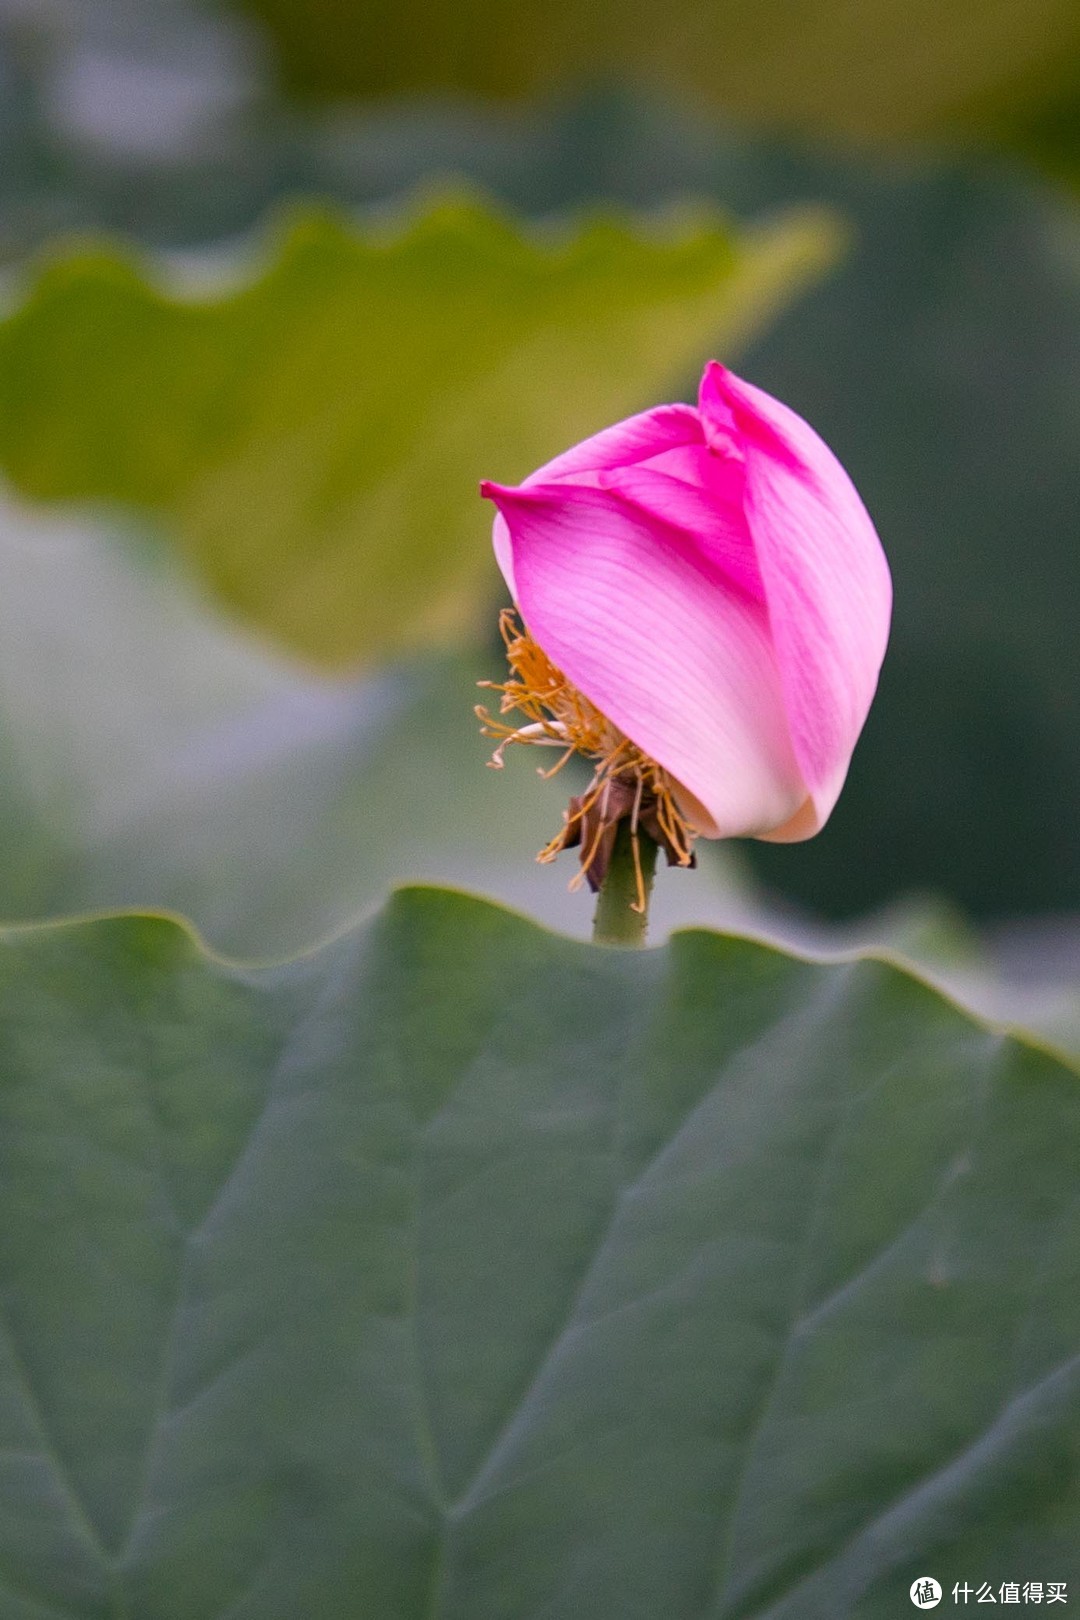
627, 784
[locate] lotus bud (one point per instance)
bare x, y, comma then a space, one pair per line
702, 608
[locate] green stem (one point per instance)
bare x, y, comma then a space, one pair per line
616, 923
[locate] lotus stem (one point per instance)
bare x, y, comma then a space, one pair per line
622, 909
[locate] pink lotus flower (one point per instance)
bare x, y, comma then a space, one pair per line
710, 583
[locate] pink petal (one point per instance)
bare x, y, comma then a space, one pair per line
638, 438
654, 633
825, 576
504, 548
705, 502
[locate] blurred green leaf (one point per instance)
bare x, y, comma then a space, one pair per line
459, 1270
878, 70
317, 436
150, 755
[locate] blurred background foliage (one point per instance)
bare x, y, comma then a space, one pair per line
239, 452
853, 70
317, 435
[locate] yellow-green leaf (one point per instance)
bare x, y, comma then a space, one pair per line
316, 436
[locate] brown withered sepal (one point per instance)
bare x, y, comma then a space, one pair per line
593, 826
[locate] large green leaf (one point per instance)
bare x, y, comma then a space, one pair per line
317, 436
458, 1270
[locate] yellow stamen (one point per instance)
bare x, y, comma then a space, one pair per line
635, 846
557, 715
